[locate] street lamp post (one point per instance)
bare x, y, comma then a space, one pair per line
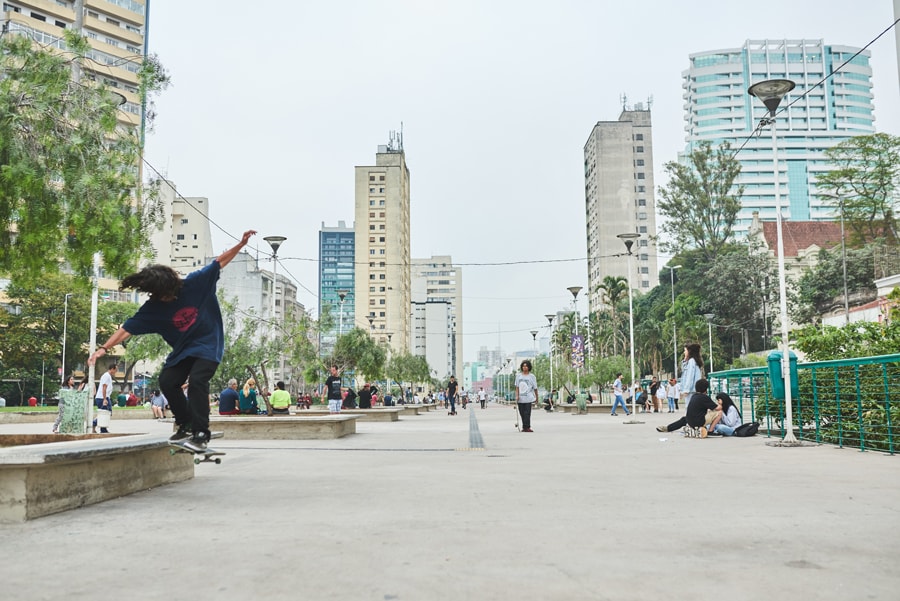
672, 269
550, 317
575, 290
709, 317
534, 342
771, 92
62, 369
342, 294
629, 239
275, 242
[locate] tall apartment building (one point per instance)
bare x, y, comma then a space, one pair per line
116, 30
437, 280
183, 241
619, 199
336, 274
718, 109
383, 290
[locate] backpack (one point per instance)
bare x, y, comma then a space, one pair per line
748, 429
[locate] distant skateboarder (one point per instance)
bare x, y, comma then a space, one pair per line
185, 312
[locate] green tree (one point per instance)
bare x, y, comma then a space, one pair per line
357, 351
700, 201
245, 347
821, 289
865, 179
68, 172
615, 291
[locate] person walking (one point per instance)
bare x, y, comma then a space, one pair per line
691, 372
482, 397
617, 393
452, 386
186, 313
332, 391
526, 393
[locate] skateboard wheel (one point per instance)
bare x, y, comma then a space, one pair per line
171, 451
196, 461
218, 460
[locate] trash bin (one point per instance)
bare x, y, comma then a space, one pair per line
776, 378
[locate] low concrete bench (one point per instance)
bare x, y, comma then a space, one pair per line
380, 414
38, 417
278, 427
591, 408
41, 474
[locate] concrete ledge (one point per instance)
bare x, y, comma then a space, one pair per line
263, 427
37, 417
385, 414
49, 477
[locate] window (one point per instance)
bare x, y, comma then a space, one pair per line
381, 178
371, 276
179, 236
59, 24
38, 17
371, 178
371, 301
195, 236
645, 270
381, 302
640, 176
381, 264
642, 188
381, 190
371, 251
639, 162
642, 229
638, 136
112, 21
645, 284
381, 227
642, 243
380, 203
381, 289
381, 214
381, 277
371, 203
371, 214
371, 227
184, 221
381, 239
371, 190
644, 257
642, 202
381, 251
381, 314
371, 238
639, 149
642, 216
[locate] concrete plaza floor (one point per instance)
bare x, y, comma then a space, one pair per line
586, 507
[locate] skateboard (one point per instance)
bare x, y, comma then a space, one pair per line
209, 455
516, 409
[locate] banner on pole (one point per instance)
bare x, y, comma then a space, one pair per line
577, 351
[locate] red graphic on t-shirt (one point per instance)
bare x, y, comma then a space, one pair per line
184, 318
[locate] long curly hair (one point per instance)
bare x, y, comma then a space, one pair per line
693, 350
156, 280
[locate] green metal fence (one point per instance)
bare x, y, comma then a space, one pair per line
846, 402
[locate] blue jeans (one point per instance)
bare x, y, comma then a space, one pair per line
619, 401
724, 430
671, 403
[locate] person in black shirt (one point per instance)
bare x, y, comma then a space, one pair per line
365, 396
695, 416
333, 391
451, 394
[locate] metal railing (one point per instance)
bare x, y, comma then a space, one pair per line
845, 402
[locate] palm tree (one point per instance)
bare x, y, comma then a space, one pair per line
615, 289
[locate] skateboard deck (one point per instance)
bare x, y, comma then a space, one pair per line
208, 456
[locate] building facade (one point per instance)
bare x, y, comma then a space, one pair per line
383, 285
116, 30
437, 280
336, 275
619, 198
183, 241
718, 109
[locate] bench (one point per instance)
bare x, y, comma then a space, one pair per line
381, 414
292, 427
38, 417
41, 474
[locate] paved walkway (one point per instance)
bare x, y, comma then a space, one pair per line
586, 507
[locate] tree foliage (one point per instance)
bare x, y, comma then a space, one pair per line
864, 180
68, 172
700, 201
357, 351
821, 289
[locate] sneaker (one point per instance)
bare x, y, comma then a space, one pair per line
613, 414
181, 434
527, 430
661, 428
196, 443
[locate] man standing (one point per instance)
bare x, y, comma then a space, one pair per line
186, 313
451, 394
482, 397
332, 391
104, 390
229, 400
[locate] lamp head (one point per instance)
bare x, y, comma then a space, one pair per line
771, 91
550, 317
342, 294
574, 290
709, 317
275, 242
534, 334
628, 239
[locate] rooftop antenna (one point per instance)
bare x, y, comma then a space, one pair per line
624, 99
649, 102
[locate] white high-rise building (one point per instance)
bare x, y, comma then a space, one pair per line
718, 109
183, 241
437, 314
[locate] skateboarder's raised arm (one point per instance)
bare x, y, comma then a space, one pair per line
120, 335
226, 257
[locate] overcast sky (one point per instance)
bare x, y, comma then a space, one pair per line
274, 102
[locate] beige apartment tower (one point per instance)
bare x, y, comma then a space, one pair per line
383, 285
618, 195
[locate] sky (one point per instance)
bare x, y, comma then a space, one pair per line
273, 103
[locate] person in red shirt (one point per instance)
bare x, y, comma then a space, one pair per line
32, 402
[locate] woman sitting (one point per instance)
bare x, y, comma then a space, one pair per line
247, 396
727, 419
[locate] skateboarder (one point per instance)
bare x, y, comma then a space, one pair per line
185, 312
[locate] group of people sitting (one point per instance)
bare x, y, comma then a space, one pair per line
705, 416
245, 401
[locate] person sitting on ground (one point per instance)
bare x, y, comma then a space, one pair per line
280, 400
726, 420
696, 415
247, 397
229, 399
158, 405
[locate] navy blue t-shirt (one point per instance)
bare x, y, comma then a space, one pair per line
191, 324
229, 400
